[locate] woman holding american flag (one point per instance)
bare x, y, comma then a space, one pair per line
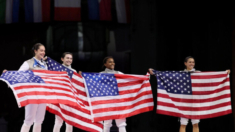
189, 63
34, 113
67, 59
109, 65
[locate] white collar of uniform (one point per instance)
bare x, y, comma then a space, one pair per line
193, 70
40, 62
109, 70
67, 66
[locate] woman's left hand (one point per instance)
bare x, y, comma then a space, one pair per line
4, 71
45, 58
228, 71
151, 71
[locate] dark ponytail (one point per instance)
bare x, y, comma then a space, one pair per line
36, 47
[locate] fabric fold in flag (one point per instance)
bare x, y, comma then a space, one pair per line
197, 95
37, 10
67, 10
79, 117
116, 96
40, 86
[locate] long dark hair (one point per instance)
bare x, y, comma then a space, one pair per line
36, 47
105, 60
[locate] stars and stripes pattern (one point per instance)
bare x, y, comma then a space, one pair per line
40, 86
14, 77
180, 82
101, 84
55, 66
79, 117
118, 95
197, 95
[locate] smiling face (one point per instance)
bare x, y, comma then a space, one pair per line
189, 64
110, 64
67, 60
40, 52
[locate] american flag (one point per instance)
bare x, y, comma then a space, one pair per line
40, 86
197, 95
116, 96
79, 116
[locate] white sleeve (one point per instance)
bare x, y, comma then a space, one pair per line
120, 72
24, 67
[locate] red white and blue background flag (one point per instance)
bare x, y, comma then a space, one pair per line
116, 96
37, 10
67, 10
12, 11
197, 95
78, 116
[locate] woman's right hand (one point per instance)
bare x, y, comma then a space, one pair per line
4, 70
151, 71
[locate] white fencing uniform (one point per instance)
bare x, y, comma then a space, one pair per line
184, 121
34, 113
121, 123
59, 121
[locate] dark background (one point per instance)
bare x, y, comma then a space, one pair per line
160, 36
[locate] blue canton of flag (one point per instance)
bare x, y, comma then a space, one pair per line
175, 82
101, 84
55, 66
14, 77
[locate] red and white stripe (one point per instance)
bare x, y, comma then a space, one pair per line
210, 97
67, 10
79, 117
56, 89
135, 97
